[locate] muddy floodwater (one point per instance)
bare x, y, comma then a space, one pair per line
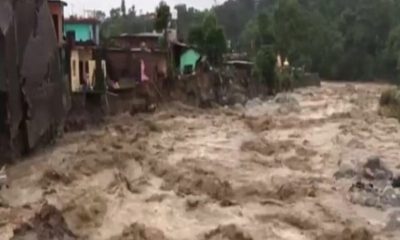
318, 164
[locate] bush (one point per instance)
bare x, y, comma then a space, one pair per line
390, 103
285, 79
265, 68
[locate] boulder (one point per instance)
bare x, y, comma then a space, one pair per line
346, 170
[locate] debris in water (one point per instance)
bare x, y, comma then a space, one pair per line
139, 231
52, 176
346, 170
396, 182
375, 170
227, 232
349, 233
3, 177
394, 222
48, 224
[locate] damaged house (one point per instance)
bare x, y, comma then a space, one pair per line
137, 68
83, 38
196, 82
137, 58
33, 95
86, 70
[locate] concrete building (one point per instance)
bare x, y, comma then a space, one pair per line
83, 66
83, 39
83, 30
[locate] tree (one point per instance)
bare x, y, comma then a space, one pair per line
265, 68
258, 32
115, 13
290, 29
210, 38
196, 36
123, 8
215, 45
131, 23
163, 17
100, 15
132, 11
265, 31
249, 38
392, 51
339, 39
188, 18
234, 15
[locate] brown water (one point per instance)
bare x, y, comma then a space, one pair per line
264, 171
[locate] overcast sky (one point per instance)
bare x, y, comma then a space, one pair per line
77, 6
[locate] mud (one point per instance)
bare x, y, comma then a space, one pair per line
288, 168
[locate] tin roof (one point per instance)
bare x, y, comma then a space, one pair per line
239, 62
141, 35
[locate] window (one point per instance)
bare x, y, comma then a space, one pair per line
73, 68
71, 36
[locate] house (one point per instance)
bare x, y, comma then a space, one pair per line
129, 67
57, 14
239, 73
87, 72
186, 57
188, 61
83, 68
137, 58
33, 95
83, 30
82, 36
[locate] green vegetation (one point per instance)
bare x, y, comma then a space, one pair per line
163, 17
265, 68
128, 21
339, 39
209, 38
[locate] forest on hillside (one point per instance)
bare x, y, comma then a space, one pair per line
339, 39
